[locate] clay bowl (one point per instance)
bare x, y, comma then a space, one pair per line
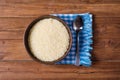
26, 35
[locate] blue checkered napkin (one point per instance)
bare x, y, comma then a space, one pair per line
85, 36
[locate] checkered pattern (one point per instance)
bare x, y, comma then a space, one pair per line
85, 36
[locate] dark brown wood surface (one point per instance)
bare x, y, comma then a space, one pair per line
16, 15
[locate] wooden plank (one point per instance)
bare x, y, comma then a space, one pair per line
58, 76
14, 70
20, 23
104, 49
11, 34
62, 1
13, 28
31, 9
19, 35
106, 38
15, 24
101, 35
13, 50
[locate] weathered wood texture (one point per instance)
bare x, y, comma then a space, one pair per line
15, 63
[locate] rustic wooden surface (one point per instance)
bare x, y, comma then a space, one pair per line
15, 63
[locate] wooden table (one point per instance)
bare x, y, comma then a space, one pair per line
15, 63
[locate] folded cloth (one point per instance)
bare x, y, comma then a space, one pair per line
85, 36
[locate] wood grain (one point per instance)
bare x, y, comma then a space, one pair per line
11, 9
16, 64
107, 69
104, 44
103, 27
104, 49
20, 23
63, 1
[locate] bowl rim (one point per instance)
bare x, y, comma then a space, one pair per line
27, 32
